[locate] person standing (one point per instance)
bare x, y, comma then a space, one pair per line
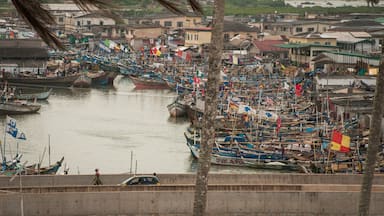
96, 180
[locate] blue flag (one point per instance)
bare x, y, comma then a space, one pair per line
21, 136
12, 130
11, 122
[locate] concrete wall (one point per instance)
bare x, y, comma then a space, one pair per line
181, 203
57, 180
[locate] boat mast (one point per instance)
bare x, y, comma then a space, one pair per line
4, 140
49, 150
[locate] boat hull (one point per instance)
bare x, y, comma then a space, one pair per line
14, 108
82, 82
64, 81
176, 109
31, 96
143, 83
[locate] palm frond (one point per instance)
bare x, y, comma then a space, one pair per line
196, 7
102, 7
40, 19
92, 5
171, 6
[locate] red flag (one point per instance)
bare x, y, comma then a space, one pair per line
188, 57
298, 89
278, 123
180, 53
340, 142
196, 80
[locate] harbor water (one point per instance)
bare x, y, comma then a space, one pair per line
117, 130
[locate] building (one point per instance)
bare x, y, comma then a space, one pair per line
294, 27
270, 48
304, 47
197, 36
85, 22
27, 55
359, 42
372, 27
233, 32
174, 21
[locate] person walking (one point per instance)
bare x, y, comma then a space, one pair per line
96, 180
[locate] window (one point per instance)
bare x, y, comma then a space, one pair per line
168, 23
61, 19
299, 29
196, 37
88, 22
157, 22
316, 53
311, 29
179, 24
101, 22
78, 23
328, 43
284, 29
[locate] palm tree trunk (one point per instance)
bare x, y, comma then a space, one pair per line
210, 110
374, 142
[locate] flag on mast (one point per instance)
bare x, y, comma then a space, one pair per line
12, 130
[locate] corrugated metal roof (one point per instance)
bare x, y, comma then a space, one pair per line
62, 7
345, 80
269, 45
347, 58
296, 45
346, 37
360, 34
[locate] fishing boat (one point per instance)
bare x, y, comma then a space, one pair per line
102, 77
60, 81
35, 169
82, 82
149, 81
276, 165
18, 107
22, 94
15, 166
178, 108
98, 78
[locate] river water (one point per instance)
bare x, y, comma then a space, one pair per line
117, 130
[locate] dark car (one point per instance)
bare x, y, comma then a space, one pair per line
142, 180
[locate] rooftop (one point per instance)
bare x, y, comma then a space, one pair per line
269, 45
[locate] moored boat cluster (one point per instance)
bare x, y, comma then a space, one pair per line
282, 121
